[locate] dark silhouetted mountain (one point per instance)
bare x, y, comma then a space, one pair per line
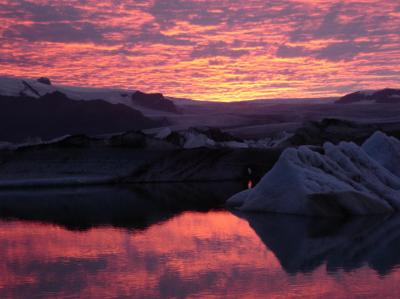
387, 96
44, 80
153, 101
54, 115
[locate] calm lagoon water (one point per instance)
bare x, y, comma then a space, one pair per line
118, 243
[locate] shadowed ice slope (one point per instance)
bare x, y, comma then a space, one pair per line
385, 150
340, 179
126, 157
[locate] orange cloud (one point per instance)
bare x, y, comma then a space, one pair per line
297, 48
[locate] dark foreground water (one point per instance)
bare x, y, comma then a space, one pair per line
120, 243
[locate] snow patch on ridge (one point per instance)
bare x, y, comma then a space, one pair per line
15, 87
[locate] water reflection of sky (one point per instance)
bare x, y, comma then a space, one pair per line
214, 254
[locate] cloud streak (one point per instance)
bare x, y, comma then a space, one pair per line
203, 49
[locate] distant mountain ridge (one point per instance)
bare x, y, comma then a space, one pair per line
154, 101
42, 86
55, 114
384, 96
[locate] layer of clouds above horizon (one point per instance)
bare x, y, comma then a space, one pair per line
204, 49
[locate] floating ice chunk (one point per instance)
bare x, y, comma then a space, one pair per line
195, 140
163, 133
345, 179
385, 150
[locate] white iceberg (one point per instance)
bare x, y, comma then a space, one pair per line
196, 140
385, 150
342, 179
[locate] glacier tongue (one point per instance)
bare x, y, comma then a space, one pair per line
344, 179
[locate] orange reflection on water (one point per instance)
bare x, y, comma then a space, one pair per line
249, 184
199, 255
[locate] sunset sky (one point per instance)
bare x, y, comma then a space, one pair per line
204, 49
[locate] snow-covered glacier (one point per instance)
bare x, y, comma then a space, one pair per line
333, 180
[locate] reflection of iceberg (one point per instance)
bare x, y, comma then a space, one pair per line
340, 179
302, 244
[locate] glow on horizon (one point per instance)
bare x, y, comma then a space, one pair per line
207, 50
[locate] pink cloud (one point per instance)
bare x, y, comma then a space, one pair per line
157, 45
